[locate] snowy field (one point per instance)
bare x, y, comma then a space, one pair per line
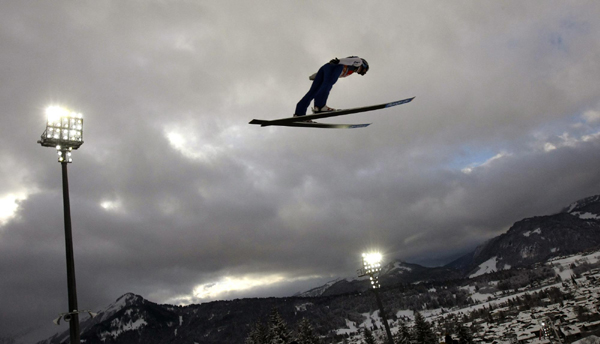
561, 265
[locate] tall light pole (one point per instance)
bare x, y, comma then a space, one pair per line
546, 325
371, 268
64, 131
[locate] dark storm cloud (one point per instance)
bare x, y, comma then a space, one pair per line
176, 198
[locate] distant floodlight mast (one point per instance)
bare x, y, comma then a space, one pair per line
372, 268
547, 329
64, 131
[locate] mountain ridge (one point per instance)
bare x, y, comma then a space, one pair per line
530, 241
538, 238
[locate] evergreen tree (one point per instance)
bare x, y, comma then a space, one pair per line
422, 332
278, 332
368, 337
403, 336
258, 334
464, 335
305, 333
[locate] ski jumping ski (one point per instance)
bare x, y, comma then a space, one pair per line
300, 121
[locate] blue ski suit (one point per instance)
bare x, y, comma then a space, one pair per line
324, 80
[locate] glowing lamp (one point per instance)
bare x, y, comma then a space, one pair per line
64, 130
372, 267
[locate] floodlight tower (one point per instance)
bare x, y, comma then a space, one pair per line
64, 131
371, 268
547, 326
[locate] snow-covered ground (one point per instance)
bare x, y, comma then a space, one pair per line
485, 267
527, 322
588, 340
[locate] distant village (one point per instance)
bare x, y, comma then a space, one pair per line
568, 311
563, 322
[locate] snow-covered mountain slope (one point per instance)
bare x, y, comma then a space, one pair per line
587, 208
536, 239
128, 300
529, 241
342, 318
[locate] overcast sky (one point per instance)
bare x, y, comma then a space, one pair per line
176, 198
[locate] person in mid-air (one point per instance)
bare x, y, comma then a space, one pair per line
324, 80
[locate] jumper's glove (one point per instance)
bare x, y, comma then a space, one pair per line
335, 61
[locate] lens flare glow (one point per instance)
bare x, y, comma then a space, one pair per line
372, 258
55, 113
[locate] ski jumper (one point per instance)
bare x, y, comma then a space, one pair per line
324, 80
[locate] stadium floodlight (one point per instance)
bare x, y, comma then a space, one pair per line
547, 329
372, 268
373, 258
64, 130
